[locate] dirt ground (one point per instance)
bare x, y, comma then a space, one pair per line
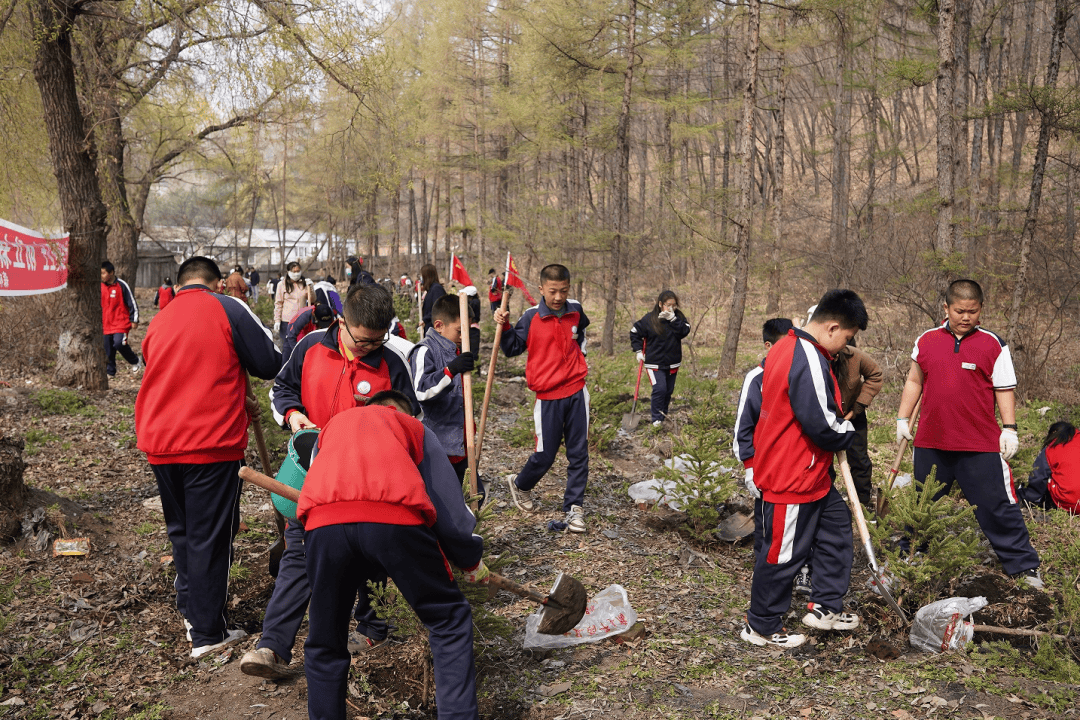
98, 635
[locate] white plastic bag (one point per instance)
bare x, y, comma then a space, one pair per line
940, 626
608, 614
662, 492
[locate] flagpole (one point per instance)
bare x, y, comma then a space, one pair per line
491, 365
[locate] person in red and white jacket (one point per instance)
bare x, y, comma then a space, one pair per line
553, 333
119, 316
495, 290
191, 421
1055, 479
802, 515
398, 512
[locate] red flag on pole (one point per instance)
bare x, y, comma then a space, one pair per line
514, 278
458, 273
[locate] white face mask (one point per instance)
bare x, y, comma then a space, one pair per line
294, 276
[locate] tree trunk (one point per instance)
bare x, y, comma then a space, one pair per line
742, 216
772, 306
841, 159
1062, 13
79, 358
946, 227
13, 491
961, 92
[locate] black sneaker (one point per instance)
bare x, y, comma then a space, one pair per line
802, 584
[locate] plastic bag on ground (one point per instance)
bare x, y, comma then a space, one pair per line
662, 492
940, 626
608, 614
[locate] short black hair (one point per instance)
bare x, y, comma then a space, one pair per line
491, 271
198, 268
841, 306
392, 398
963, 289
108, 266
447, 308
369, 306
773, 330
554, 273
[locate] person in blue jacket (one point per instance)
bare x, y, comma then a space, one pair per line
657, 340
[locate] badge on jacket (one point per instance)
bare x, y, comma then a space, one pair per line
363, 387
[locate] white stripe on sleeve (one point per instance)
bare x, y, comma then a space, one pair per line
812, 359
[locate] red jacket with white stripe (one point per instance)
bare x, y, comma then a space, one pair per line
190, 407
800, 426
118, 309
375, 464
556, 366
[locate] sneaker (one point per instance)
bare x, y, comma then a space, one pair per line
138, 367
187, 629
802, 584
359, 643
575, 519
657, 423
1031, 578
822, 619
522, 498
782, 639
232, 636
264, 663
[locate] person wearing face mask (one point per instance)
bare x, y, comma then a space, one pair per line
293, 293
657, 340
355, 272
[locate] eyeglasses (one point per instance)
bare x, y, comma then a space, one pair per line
366, 342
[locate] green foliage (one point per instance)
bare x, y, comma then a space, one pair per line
34, 439
943, 536
910, 72
64, 402
264, 309
1060, 560
405, 309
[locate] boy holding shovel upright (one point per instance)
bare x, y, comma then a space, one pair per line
553, 333
962, 371
802, 514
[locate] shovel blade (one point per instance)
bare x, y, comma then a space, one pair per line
630, 421
735, 527
565, 606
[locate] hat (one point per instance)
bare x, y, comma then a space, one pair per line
323, 312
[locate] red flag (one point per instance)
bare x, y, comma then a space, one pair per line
458, 273
513, 278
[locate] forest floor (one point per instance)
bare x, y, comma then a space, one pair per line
98, 635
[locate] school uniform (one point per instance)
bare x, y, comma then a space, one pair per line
958, 433
191, 422
662, 340
118, 313
400, 513
746, 419
556, 372
301, 324
320, 380
163, 296
1055, 479
802, 514
432, 294
495, 293
441, 395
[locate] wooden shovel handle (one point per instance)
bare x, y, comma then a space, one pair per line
266, 482
490, 381
466, 390
510, 586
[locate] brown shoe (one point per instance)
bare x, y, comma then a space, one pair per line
265, 663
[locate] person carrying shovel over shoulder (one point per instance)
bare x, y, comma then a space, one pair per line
657, 340
399, 513
802, 514
962, 371
553, 333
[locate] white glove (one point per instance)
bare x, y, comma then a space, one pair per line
277, 331
667, 315
750, 486
903, 432
1008, 443
640, 356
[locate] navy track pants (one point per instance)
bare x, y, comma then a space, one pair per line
663, 386
565, 420
986, 480
341, 559
818, 532
292, 592
202, 515
117, 343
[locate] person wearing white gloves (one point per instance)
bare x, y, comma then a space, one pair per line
962, 371
657, 340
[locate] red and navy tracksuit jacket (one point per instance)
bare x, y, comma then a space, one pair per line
1057, 474
319, 381
746, 417
556, 365
439, 391
118, 309
163, 296
214, 339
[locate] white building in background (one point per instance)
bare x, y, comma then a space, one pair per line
265, 249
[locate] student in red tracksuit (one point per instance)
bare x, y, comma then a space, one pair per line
398, 512
191, 422
1055, 480
802, 514
495, 290
553, 333
164, 294
119, 316
330, 371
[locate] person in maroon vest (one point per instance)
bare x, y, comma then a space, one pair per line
191, 421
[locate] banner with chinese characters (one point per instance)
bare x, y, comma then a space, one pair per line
30, 263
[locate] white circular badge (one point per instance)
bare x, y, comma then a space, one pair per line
573, 329
364, 387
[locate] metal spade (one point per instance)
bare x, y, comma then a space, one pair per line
564, 606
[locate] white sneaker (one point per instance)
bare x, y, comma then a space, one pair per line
232, 637
575, 519
138, 367
187, 629
265, 663
657, 423
1032, 578
782, 639
522, 498
823, 619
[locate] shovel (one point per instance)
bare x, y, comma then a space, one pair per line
630, 422
864, 534
564, 606
882, 501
